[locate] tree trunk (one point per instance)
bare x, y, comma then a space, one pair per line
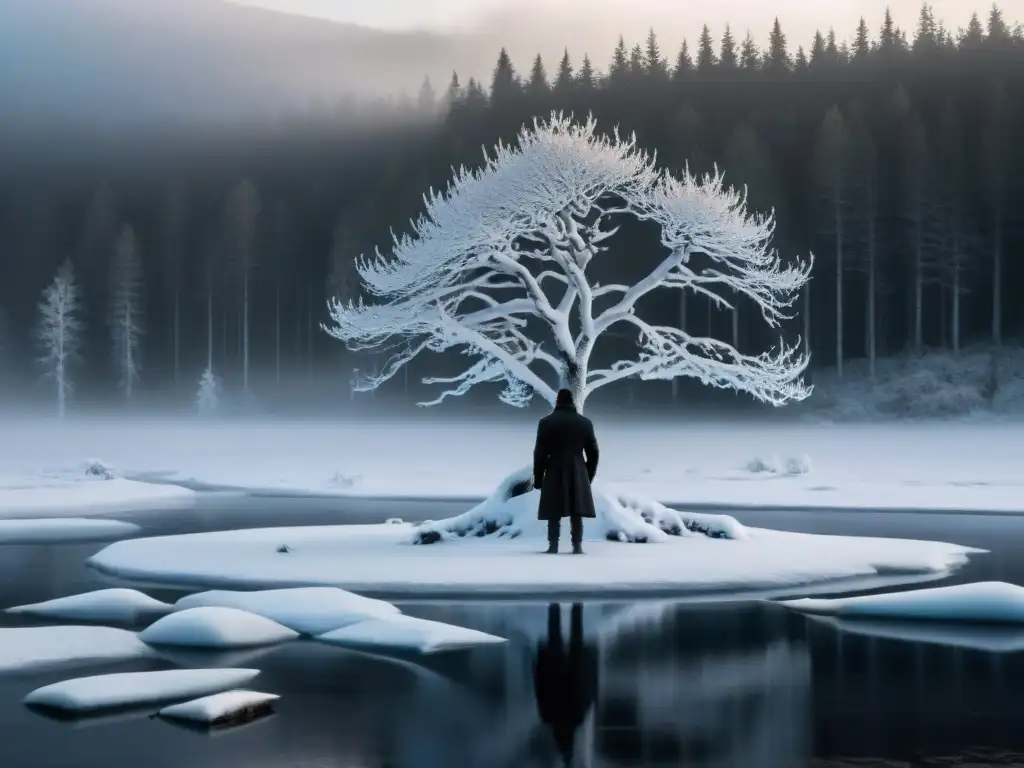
943, 314
298, 330
60, 389
209, 330
997, 279
918, 281
807, 320
245, 334
127, 352
839, 287
682, 327
955, 319
871, 340
176, 333
309, 335
277, 337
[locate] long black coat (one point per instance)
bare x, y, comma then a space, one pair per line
564, 464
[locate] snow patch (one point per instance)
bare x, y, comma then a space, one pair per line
65, 494
129, 689
58, 530
221, 708
984, 602
25, 649
113, 605
988, 638
407, 633
308, 610
211, 627
511, 512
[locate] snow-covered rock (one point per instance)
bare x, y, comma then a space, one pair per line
129, 689
306, 610
511, 511
222, 707
113, 605
985, 602
407, 633
212, 627
54, 530
24, 649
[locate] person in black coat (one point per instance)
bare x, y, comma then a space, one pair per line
565, 679
564, 464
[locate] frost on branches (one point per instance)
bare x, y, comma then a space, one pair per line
505, 250
59, 329
208, 394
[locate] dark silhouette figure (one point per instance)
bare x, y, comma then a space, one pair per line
564, 464
565, 679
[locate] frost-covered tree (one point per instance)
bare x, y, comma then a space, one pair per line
496, 268
60, 330
126, 310
209, 393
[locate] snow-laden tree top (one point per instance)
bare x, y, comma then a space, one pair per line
496, 267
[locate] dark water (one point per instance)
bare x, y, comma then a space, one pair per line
744, 684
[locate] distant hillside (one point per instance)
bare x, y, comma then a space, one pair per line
123, 61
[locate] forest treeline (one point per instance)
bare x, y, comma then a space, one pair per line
893, 155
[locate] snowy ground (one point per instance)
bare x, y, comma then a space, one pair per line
79, 488
943, 466
380, 560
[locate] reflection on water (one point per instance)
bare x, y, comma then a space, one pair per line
745, 685
653, 685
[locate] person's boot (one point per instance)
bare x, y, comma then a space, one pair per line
577, 535
553, 531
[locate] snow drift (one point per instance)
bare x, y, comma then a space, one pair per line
115, 605
212, 627
511, 511
128, 689
221, 708
993, 602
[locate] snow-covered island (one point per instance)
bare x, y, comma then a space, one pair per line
635, 547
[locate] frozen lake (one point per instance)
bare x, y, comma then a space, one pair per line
710, 684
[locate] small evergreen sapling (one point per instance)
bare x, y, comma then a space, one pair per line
209, 394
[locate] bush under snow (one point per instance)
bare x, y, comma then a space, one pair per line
97, 468
512, 511
936, 384
793, 465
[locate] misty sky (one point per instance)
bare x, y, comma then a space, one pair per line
593, 25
